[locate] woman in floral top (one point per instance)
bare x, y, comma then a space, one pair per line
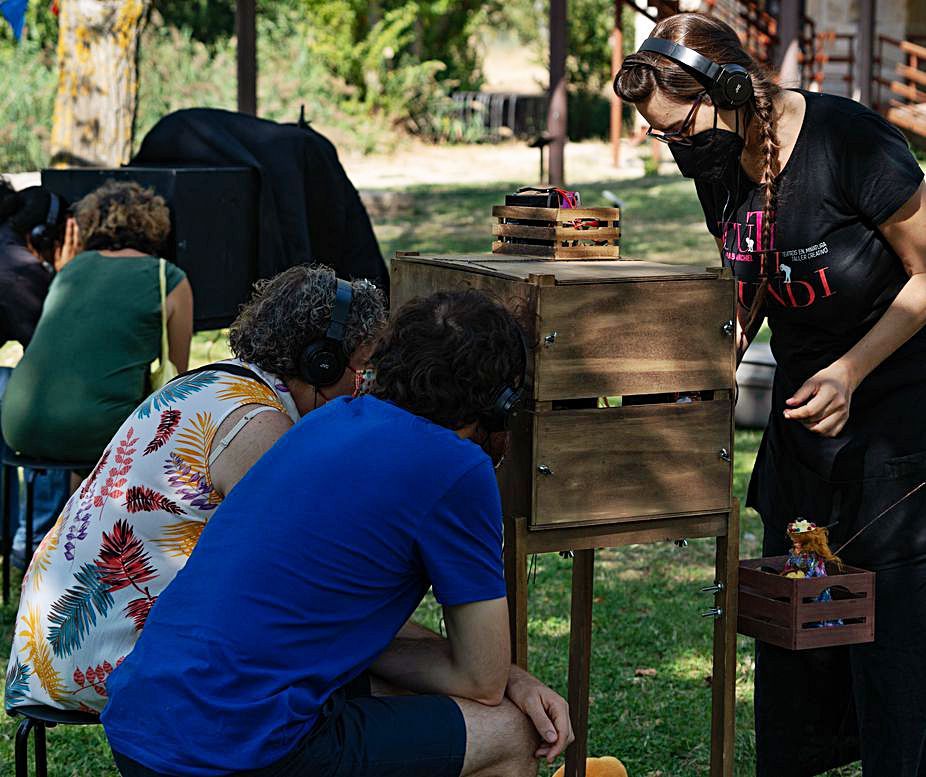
132, 524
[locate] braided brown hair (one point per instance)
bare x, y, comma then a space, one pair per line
645, 71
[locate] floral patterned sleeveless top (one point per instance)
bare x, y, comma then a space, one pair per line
122, 537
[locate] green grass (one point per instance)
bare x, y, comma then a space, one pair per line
647, 601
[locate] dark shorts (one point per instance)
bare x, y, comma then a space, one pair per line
360, 735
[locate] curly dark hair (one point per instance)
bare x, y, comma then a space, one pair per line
123, 214
292, 309
446, 357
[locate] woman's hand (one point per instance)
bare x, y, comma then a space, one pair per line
822, 403
71, 245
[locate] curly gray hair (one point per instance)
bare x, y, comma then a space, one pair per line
292, 309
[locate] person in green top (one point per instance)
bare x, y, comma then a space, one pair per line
87, 366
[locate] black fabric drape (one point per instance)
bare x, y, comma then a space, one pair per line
309, 209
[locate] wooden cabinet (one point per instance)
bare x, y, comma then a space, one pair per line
630, 334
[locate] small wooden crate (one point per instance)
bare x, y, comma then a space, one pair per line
556, 233
783, 611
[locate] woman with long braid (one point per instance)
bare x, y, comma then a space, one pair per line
819, 208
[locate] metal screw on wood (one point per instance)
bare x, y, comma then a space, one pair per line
567, 554
550, 338
543, 469
712, 589
683, 543
724, 454
728, 328
714, 612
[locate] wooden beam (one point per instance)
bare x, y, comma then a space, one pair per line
617, 58
246, 33
787, 48
866, 50
556, 119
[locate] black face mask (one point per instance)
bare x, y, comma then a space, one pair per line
710, 155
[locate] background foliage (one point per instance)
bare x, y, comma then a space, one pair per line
365, 70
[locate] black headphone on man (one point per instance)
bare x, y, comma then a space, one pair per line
508, 402
323, 361
42, 236
729, 86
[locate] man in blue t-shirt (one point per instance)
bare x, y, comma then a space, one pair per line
271, 650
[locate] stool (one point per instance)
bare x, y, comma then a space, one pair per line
10, 462
37, 718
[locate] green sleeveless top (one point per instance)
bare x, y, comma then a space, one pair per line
87, 365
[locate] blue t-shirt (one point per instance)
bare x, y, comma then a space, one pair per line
300, 580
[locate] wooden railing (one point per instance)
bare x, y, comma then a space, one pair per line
909, 85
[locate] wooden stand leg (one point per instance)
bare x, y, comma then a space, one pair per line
580, 653
516, 583
723, 719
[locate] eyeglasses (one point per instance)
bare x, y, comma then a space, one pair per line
679, 135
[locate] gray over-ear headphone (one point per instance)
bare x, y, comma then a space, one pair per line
729, 86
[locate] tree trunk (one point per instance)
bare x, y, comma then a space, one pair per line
97, 81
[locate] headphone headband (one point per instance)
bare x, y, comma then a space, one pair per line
337, 329
728, 86
684, 56
324, 360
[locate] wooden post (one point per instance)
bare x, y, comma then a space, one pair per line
617, 57
246, 32
788, 49
580, 654
866, 49
556, 117
516, 583
723, 678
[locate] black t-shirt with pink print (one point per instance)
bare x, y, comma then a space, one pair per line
832, 275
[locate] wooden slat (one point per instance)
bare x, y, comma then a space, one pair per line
556, 233
809, 612
909, 91
853, 634
622, 463
908, 117
557, 252
766, 632
555, 214
912, 73
624, 271
546, 539
763, 608
908, 47
636, 338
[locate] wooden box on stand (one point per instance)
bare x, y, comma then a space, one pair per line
632, 337
626, 434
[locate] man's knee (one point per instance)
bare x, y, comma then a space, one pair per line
500, 741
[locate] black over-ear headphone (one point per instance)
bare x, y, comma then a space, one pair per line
508, 402
323, 361
42, 236
728, 86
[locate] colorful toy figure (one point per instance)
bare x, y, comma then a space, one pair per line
809, 554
